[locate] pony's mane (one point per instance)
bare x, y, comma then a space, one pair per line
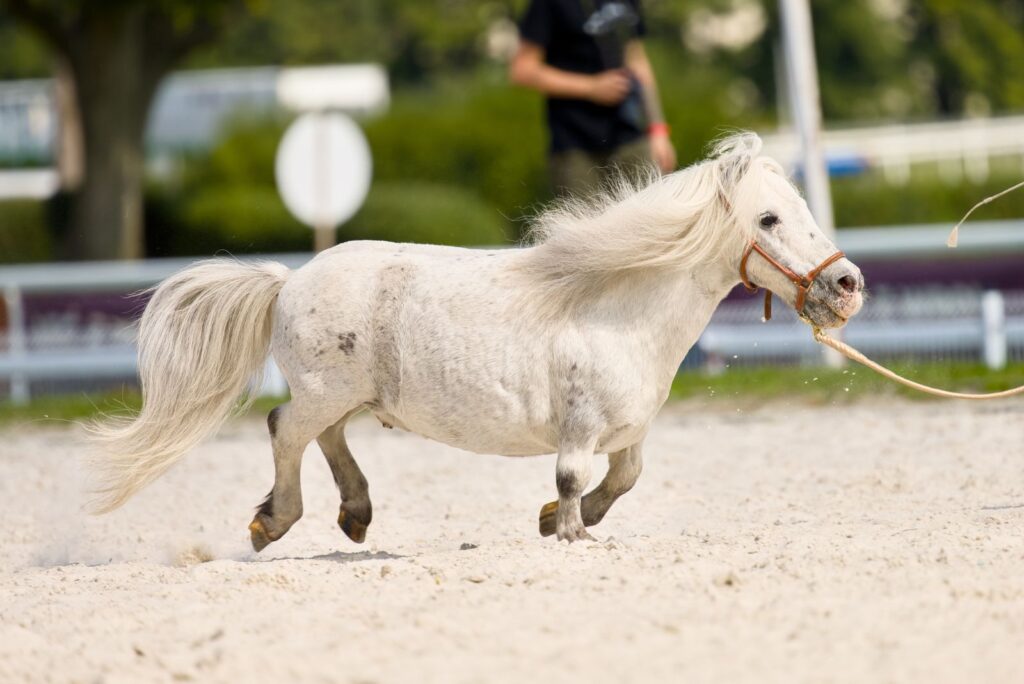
679, 221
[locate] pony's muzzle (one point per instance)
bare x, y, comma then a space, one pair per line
847, 280
848, 283
844, 278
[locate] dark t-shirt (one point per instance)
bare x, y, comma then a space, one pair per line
587, 37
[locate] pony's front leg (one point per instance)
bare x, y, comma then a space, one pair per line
623, 471
572, 475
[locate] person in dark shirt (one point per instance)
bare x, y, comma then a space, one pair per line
603, 110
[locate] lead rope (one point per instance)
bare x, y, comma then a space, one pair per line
854, 355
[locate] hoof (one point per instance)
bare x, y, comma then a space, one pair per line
353, 528
259, 535
548, 517
575, 534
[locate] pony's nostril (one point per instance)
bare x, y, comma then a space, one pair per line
848, 283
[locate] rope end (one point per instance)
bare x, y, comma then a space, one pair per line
954, 235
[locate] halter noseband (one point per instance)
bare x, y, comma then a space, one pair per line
803, 283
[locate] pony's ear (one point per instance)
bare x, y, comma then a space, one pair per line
733, 157
732, 168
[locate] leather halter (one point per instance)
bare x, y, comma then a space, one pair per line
803, 283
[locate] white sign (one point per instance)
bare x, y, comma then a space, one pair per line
349, 87
323, 169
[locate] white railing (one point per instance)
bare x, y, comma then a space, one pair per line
104, 349
948, 323
945, 323
961, 146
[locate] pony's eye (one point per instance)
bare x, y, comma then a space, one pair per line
768, 220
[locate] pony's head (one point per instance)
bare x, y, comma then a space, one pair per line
700, 219
775, 225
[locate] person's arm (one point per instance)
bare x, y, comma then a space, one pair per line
529, 70
662, 151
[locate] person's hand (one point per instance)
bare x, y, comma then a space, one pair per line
609, 87
662, 152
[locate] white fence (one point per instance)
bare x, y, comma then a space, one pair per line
947, 324
941, 323
960, 147
58, 349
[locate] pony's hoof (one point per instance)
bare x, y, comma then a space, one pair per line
548, 519
574, 534
353, 528
259, 535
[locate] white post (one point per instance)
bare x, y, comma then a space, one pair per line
805, 102
17, 343
325, 234
798, 42
993, 317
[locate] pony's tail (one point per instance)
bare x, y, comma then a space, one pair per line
204, 335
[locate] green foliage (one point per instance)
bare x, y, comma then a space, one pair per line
875, 59
865, 56
881, 60
62, 409
472, 133
429, 213
235, 218
869, 200
702, 102
828, 385
22, 55
24, 233
227, 200
416, 39
971, 48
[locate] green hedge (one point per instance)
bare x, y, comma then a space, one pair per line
869, 200
484, 137
242, 219
24, 232
427, 212
227, 200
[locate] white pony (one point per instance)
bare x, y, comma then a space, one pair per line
567, 346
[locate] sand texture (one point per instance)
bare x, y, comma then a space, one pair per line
783, 543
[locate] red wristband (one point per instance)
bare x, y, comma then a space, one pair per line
658, 128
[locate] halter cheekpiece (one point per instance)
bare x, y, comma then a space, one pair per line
803, 283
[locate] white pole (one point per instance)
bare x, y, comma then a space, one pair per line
325, 234
805, 103
993, 320
17, 343
798, 44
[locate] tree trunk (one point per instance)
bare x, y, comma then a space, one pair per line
117, 53
68, 152
114, 92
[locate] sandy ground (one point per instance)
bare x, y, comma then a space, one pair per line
784, 543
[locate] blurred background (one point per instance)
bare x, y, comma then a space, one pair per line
137, 134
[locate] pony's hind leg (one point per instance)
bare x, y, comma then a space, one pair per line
356, 511
623, 471
292, 426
